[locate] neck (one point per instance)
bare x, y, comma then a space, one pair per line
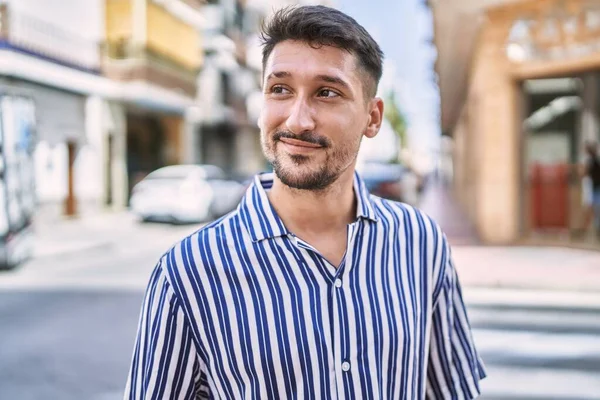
314, 212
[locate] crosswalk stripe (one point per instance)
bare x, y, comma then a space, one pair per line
539, 383
549, 320
535, 354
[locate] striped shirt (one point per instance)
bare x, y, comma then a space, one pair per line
244, 309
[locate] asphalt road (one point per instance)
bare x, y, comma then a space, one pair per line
68, 322
538, 353
67, 325
66, 344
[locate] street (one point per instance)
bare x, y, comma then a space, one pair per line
538, 353
69, 321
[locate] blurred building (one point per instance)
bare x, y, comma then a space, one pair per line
230, 95
114, 84
519, 95
153, 48
229, 134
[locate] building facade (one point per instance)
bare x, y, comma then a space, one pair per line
113, 83
519, 98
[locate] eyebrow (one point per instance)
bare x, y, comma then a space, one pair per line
334, 79
323, 78
281, 74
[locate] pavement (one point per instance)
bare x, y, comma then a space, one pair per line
534, 268
519, 268
84, 233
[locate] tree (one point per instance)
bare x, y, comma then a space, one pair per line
396, 118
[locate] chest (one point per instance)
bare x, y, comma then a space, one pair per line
286, 321
331, 247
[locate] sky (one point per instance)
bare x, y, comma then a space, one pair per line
403, 29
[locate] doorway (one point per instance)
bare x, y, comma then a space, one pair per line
145, 145
551, 125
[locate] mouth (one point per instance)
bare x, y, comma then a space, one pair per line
299, 143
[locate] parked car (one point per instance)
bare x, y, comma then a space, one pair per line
185, 194
390, 181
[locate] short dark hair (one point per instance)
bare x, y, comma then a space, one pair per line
324, 26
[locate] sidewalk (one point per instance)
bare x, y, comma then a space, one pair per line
516, 267
531, 268
80, 234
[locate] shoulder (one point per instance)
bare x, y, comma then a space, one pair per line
410, 219
202, 249
417, 234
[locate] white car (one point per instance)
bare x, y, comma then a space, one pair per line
185, 194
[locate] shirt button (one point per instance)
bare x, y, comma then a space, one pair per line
338, 283
345, 366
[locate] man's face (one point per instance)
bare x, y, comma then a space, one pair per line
314, 114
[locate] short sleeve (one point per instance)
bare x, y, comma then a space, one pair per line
165, 364
455, 369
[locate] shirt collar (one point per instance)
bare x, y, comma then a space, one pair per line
261, 220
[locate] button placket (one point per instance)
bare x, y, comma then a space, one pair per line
337, 339
342, 353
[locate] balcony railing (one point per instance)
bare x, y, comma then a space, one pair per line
125, 53
48, 41
123, 60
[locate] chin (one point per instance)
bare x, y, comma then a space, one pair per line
305, 179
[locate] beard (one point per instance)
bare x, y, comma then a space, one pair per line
310, 180
297, 171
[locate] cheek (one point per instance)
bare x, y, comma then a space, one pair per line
272, 116
346, 129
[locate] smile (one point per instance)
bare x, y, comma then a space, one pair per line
299, 143
299, 147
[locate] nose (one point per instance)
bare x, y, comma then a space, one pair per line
301, 117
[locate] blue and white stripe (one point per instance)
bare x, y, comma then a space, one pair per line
243, 309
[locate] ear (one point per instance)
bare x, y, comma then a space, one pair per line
375, 117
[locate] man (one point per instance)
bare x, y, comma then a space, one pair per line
311, 289
591, 176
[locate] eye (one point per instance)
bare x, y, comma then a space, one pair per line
278, 89
328, 93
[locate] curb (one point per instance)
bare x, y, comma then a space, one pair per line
531, 298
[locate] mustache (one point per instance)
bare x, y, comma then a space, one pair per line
309, 137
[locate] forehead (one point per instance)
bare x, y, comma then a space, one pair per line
301, 60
